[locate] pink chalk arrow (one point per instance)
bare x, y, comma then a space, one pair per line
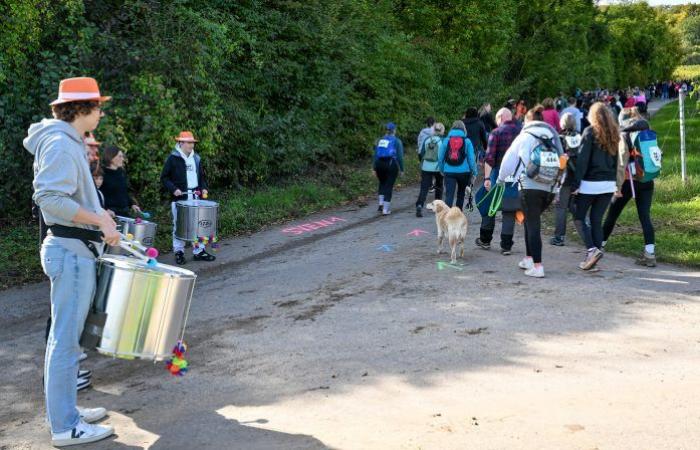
417, 232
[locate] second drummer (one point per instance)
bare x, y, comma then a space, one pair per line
183, 172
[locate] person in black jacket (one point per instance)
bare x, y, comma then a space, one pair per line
115, 187
183, 172
595, 179
476, 132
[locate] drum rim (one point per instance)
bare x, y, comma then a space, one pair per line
184, 203
105, 259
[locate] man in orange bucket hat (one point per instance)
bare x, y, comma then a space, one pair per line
78, 227
183, 172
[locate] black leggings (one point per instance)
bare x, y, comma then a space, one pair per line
387, 171
535, 201
426, 180
597, 203
643, 196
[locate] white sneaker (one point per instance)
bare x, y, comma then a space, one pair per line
83, 383
83, 357
537, 272
82, 434
526, 263
90, 415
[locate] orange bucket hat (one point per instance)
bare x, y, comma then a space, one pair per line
185, 136
90, 140
81, 89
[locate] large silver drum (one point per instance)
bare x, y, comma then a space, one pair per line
195, 219
146, 307
142, 230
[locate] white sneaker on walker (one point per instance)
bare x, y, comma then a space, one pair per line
90, 415
83, 433
535, 271
526, 263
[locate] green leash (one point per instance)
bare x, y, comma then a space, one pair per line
497, 192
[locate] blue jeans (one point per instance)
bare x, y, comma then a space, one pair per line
72, 288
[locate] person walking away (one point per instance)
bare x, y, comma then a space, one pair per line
628, 187
486, 117
574, 111
571, 143
77, 226
425, 133
595, 179
520, 111
430, 171
534, 159
183, 171
500, 140
476, 132
550, 114
457, 163
388, 162
115, 186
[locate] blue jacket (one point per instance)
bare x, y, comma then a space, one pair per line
469, 164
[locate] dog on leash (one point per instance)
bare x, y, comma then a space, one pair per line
451, 223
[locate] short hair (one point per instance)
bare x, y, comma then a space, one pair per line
459, 125
567, 122
439, 128
108, 154
430, 121
548, 103
572, 100
503, 115
68, 112
471, 112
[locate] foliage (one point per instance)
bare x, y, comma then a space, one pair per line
277, 90
690, 72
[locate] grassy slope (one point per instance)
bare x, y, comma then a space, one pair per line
240, 212
676, 208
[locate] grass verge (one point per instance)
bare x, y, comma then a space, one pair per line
675, 210
242, 211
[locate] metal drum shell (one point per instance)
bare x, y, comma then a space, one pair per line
196, 218
144, 232
146, 307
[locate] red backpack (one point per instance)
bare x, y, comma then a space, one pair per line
456, 151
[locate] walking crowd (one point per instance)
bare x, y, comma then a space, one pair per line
587, 154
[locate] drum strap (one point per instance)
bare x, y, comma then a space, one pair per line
86, 236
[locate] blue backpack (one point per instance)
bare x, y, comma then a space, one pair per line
386, 147
645, 156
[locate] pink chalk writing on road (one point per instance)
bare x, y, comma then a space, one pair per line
417, 232
312, 226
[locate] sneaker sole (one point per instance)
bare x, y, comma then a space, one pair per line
593, 263
68, 442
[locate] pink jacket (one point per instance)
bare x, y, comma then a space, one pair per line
551, 116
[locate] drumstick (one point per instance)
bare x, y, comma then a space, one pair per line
148, 254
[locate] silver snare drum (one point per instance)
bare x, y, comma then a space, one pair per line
146, 307
195, 219
142, 230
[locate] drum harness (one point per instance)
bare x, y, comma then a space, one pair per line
82, 234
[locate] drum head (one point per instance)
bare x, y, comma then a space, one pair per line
128, 263
198, 203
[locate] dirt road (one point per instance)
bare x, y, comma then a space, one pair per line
349, 333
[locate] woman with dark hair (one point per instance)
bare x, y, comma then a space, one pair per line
595, 179
115, 186
477, 133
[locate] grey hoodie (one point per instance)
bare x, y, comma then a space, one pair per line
519, 152
62, 179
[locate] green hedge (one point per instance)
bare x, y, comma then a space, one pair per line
275, 89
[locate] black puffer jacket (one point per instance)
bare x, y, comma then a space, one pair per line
476, 132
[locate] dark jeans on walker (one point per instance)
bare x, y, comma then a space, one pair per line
562, 211
643, 196
592, 234
387, 170
460, 182
535, 201
426, 180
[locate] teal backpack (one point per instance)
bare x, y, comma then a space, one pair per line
645, 156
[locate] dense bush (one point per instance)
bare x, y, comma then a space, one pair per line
276, 88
